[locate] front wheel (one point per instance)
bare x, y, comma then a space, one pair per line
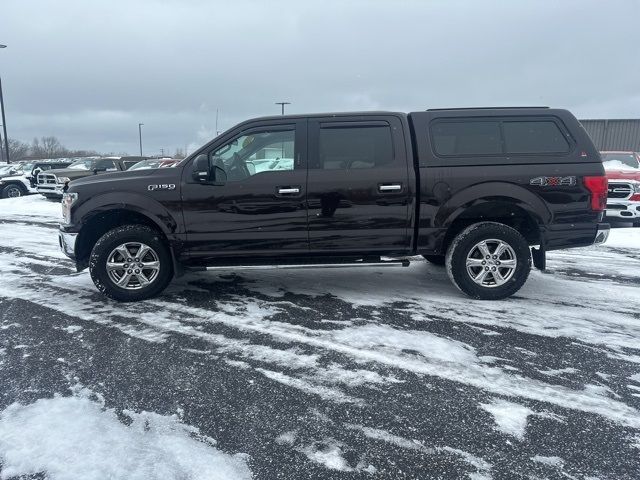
12, 191
131, 263
489, 261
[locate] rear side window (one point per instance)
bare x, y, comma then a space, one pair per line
500, 137
467, 138
350, 148
534, 137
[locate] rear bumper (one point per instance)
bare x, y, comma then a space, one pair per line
558, 237
67, 243
623, 209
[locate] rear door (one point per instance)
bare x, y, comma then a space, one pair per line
358, 191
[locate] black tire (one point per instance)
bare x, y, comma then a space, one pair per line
466, 244
435, 259
13, 190
106, 245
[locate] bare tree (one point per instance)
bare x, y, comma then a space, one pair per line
17, 150
47, 147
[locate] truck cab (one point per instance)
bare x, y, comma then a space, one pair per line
349, 189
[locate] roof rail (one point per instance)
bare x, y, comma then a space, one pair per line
478, 108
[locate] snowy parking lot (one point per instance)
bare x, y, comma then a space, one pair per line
337, 373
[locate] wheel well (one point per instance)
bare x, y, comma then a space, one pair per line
499, 212
16, 183
101, 223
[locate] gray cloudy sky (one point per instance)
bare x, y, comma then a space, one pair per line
89, 71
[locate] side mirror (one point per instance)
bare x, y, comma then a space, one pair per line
201, 171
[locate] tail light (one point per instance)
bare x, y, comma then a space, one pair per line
636, 192
597, 186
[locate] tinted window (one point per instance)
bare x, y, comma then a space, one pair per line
466, 138
534, 137
355, 147
107, 165
128, 164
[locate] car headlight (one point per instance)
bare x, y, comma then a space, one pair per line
63, 179
68, 199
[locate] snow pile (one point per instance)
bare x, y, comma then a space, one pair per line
510, 418
32, 207
70, 438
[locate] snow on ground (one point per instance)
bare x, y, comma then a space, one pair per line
76, 437
371, 339
510, 417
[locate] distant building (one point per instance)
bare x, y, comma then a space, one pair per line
614, 134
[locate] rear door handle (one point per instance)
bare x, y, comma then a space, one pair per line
288, 190
390, 187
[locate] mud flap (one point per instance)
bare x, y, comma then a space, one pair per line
539, 256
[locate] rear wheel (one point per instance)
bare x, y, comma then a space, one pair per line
12, 191
435, 259
489, 261
131, 263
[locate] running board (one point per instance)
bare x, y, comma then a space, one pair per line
389, 263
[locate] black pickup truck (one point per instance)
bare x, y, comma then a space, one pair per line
482, 191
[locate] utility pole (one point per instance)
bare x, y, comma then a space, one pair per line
282, 104
4, 121
162, 152
140, 136
217, 132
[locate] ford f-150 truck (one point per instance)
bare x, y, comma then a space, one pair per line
483, 191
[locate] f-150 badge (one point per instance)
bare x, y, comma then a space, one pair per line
553, 181
163, 186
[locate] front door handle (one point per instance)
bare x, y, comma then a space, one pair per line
390, 187
288, 190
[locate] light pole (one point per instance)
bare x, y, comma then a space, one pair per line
282, 104
140, 136
4, 121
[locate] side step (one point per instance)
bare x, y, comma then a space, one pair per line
383, 263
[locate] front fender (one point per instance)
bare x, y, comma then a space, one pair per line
142, 204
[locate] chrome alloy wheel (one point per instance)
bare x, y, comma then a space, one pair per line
491, 263
133, 265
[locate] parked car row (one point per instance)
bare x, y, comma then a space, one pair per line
51, 177
623, 196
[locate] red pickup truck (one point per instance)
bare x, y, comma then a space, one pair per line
623, 197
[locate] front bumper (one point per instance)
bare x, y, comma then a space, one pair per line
623, 209
68, 243
50, 190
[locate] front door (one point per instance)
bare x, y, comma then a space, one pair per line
255, 206
359, 190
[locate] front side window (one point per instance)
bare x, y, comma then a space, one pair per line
253, 153
351, 148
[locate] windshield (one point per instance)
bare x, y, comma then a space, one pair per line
154, 163
618, 161
81, 165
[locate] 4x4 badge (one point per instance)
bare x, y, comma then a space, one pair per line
553, 181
